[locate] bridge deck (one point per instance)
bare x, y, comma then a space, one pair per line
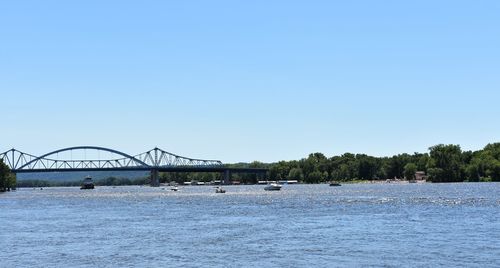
160, 169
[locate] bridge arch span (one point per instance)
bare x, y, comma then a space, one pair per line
84, 148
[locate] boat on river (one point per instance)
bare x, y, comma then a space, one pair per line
219, 190
87, 183
333, 183
272, 187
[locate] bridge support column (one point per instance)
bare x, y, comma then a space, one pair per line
227, 177
155, 182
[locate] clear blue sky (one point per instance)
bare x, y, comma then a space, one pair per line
249, 80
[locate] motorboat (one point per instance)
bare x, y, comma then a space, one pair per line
335, 184
272, 187
175, 189
87, 183
219, 190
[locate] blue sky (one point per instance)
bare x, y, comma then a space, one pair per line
249, 80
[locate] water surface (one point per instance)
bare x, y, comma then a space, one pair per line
379, 225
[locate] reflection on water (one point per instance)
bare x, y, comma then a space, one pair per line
301, 226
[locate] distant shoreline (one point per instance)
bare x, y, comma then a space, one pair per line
46, 184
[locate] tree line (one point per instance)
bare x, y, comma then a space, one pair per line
443, 163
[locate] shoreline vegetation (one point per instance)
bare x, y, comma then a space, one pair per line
7, 178
443, 163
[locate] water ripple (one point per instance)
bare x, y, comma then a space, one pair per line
301, 226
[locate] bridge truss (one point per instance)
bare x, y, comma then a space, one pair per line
154, 159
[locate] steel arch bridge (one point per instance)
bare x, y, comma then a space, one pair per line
155, 160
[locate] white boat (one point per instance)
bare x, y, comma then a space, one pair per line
219, 190
175, 189
272, 187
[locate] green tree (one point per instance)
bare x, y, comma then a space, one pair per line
296, 174
343, 173
279, 171
494, 170
396, 165
7, 179
489, 158
472, 171
344, 167
446, 163
314, 162
410, 170
314, 177
422, 161
273, 172
367, 166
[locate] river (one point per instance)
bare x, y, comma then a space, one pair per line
378, 225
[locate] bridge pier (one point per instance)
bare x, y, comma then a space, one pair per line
155, 182
227, 177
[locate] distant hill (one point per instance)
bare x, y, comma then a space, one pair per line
79, 175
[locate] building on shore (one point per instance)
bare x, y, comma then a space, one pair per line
420, 176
